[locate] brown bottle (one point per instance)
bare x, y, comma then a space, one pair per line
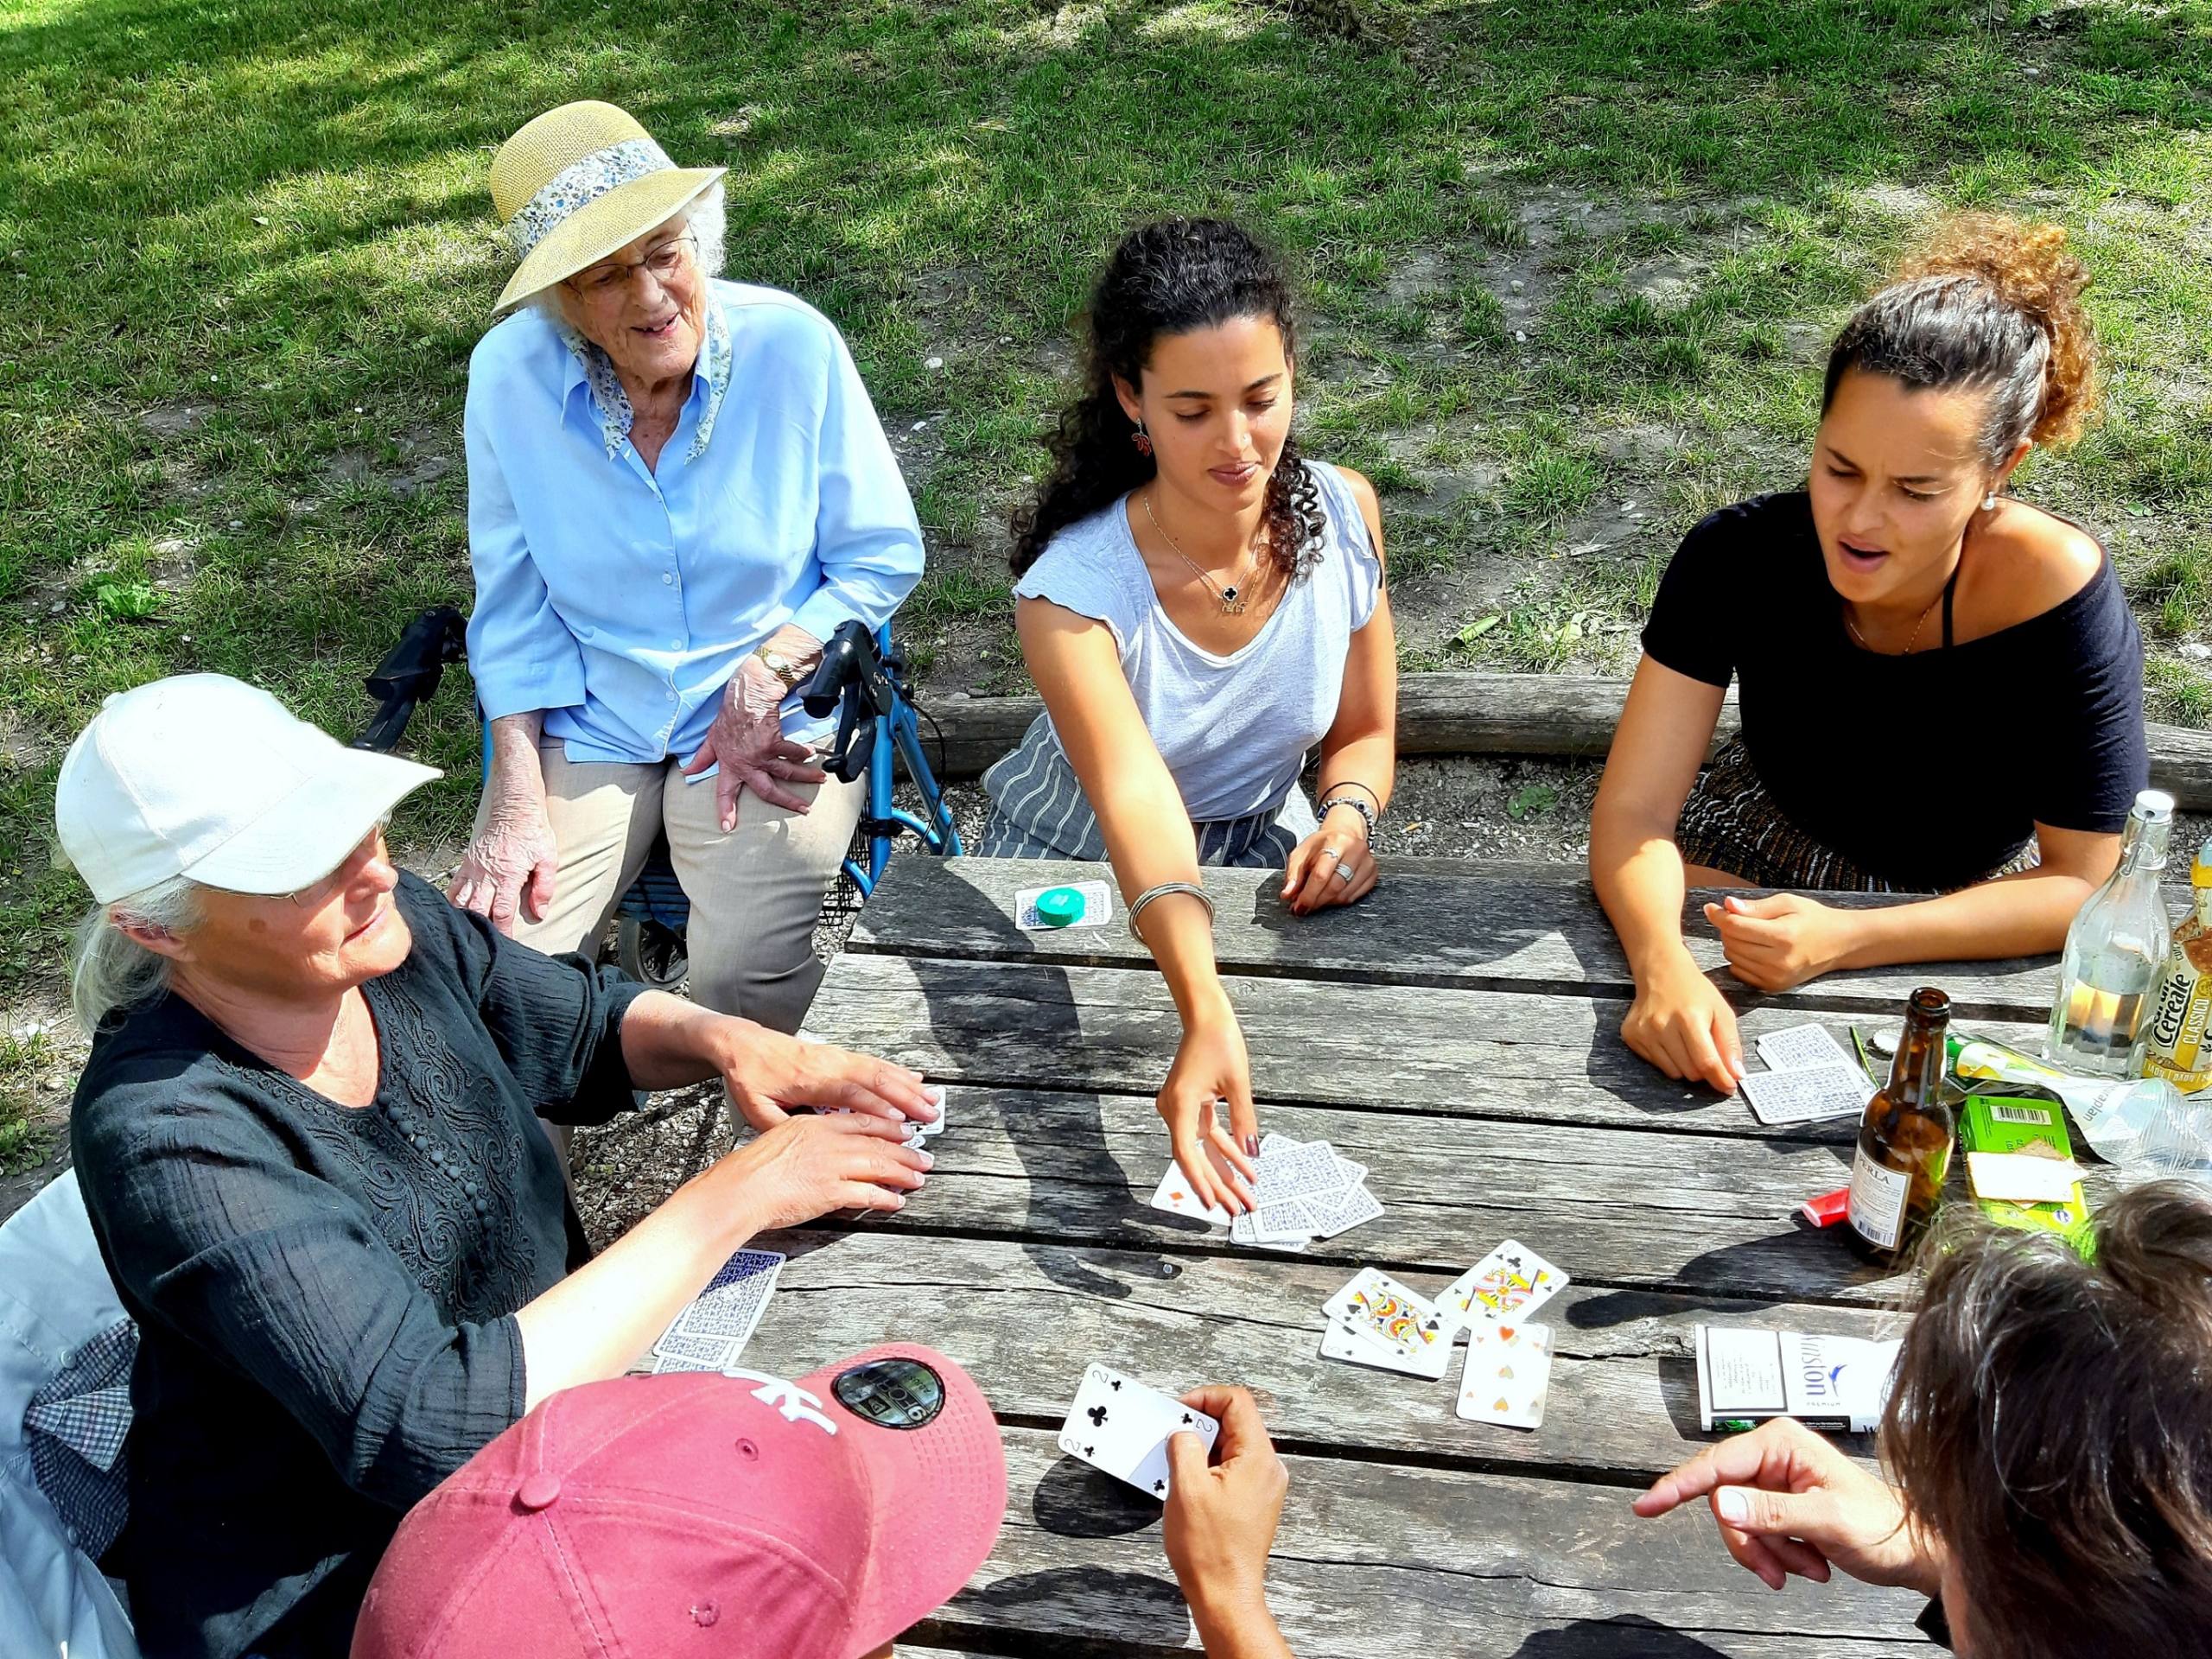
1904, 1139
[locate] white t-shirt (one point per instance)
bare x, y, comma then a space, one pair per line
1233, 730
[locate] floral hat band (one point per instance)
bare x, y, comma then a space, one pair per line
578, 183
581, 181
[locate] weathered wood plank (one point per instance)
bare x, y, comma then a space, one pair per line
1647, 1210
1024, 1319
1508, 1054
1376, 1559
1417, 928
1512, 713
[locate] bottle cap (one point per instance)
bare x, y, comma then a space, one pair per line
1059, 907
2154, 806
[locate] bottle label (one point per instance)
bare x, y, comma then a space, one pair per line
1878, 1198
2177, 1050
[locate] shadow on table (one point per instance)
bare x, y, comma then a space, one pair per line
1074, 1160
1141, 1610
1626, 1638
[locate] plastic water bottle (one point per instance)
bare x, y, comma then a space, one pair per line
2115, 952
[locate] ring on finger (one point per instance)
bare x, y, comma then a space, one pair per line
1343, 872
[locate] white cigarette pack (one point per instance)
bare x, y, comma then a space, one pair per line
1838, 1385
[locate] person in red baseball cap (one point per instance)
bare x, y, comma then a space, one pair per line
737, 1515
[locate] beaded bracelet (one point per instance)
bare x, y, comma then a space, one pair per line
1365, 811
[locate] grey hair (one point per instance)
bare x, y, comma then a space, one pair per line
109, 970
708, 219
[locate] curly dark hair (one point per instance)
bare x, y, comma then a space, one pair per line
1169, 278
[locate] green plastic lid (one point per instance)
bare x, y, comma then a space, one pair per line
1059, 907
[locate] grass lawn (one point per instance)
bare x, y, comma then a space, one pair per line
1571, 268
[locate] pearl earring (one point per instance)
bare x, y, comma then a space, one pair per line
1989, 502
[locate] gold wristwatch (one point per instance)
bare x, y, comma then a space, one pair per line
787, 671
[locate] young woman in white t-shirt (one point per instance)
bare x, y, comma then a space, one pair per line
1200, 608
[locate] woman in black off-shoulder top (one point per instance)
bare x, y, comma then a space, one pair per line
1941, 686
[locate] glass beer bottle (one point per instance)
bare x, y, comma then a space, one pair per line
1904, 1139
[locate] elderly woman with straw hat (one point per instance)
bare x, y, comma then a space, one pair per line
308, 1141
678, 490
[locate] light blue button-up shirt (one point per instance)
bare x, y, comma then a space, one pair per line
619, 600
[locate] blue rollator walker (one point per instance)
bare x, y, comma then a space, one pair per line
861, 677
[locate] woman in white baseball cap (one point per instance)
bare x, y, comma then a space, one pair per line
307, 1139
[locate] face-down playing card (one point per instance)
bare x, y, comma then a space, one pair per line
1120, 1426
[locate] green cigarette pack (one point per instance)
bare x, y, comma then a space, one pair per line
2003, 1120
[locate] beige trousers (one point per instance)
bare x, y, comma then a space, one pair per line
755, 892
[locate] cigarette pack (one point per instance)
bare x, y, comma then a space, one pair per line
2023, 1120
1838, 1385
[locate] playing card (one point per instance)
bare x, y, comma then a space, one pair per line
1098, 907
1376, 1308
1120, 1426
683, 1352
1298, 1170
1508, 1370
1340, 1212
734, 1301
1837, 1089
1174, 1194
1511, 1280
1799, 1047
1241, 1232
1339, 1342
936, 1092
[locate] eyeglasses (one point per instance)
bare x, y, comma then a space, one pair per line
315, 892
896, 1393
610, 277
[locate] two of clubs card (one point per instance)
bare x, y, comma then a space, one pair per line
1119, 1426
1809, 1078
710, 1334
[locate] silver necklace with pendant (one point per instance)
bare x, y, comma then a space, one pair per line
1232, 596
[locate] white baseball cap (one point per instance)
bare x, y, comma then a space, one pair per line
207, 777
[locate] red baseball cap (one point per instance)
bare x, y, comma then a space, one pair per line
725, 1513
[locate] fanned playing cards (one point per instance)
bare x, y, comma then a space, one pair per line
1306, 1191
711, 1333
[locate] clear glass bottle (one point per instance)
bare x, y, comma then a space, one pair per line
2114, 952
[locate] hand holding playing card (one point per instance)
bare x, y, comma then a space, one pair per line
1221, 1517
1787, 1501
767, 1072
804, 1167
1777, 943
1211, 1065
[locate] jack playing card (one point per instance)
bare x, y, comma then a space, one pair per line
1511, 1280
1376, 1308
1339, 1341
1508, 1370
1120, 1426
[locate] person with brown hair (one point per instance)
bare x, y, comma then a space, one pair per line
2050, 1436
1902, 604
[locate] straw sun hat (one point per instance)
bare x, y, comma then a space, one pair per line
577, 183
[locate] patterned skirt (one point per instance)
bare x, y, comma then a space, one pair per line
1730, 823
1039, 811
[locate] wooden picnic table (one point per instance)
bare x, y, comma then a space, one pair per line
1457, 1032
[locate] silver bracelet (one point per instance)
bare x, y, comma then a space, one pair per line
1365, 811
1137, 904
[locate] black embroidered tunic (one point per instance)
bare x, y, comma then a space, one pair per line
325, 1296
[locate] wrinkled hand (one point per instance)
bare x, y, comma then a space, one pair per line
1221, 1517
747, 741
510, 865
1777, 942
1787, 1501
1333, 866
1211, 1066
804, 1167
1682, 1024
769, 1071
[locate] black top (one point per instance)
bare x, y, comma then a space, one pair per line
325, 1296
1927, 770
